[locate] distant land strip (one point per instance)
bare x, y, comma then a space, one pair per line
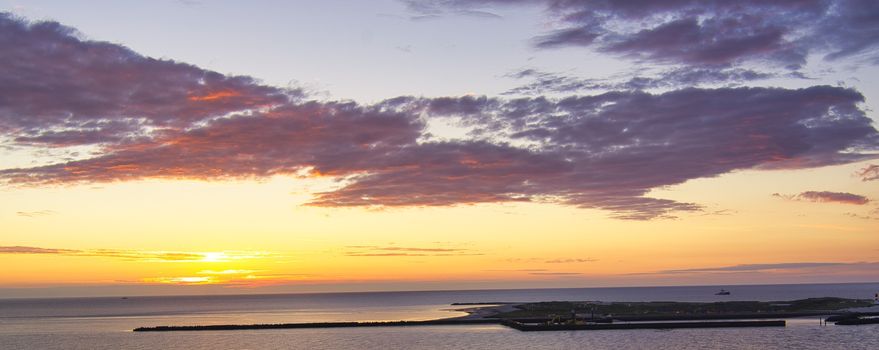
226, 327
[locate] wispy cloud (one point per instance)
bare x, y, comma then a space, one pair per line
826, 197
537, 272
405, 249
869, 173
136, 255
871, 215
758, 267
226, 272
541, 273
229, 278
772, 267
571, 261
37, 213
34, 250
389, 251
182, 280
540, 82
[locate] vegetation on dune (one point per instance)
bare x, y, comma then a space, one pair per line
668, 308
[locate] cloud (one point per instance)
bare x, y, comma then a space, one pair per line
226, 272
597, 151
389, 251
869, 216
33, 250
603, 151
405, 249
555, 273
769, 267
826, 197
33, 214
546, 82
429, 11
547, 261
479, 14
339, 138
227, 278
74, 91
137, 255
708, 42
869, 173
163, 119
570, 261
703, 33
183, 280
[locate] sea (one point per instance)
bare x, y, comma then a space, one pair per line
107, 322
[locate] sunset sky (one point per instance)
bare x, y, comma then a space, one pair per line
191, 147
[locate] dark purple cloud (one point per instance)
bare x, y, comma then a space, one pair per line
75, 91
707, 42
441, 174
704, 33
827, 196
612, 148
160, 119
335, 138
598, 151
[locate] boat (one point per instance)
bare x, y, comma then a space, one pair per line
722, 292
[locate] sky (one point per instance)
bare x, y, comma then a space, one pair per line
224, 147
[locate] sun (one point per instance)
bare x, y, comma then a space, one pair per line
214, 257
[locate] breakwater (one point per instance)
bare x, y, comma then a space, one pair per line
226, 327
536, 327
522, 325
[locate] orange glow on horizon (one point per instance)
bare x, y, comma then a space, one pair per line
259, 236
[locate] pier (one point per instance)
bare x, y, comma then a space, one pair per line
521, 325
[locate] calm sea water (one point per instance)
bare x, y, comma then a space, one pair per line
106, 323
